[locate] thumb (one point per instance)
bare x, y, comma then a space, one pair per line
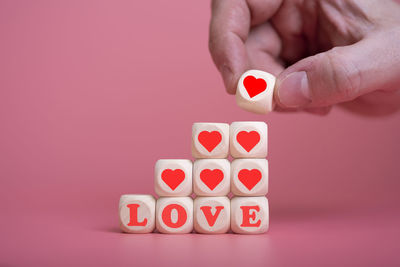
338, 75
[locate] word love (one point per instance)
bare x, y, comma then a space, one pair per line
255, 91
206, 215
211, 177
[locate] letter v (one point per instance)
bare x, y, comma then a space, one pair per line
211, 219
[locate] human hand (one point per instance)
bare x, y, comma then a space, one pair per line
343, 53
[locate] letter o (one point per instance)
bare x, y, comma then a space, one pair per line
167, 212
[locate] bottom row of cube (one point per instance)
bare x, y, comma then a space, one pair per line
207, 215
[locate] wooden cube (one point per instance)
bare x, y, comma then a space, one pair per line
137, 213
211, 177
249, 177
249, 215
249, 139
211, 215
174, 215
173, 177
210, 140
255, 91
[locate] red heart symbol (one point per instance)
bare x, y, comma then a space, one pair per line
249, 177
173, 178
210, 139
254, 86
211, 178
248, 140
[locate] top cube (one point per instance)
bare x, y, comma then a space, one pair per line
255, 91
210, 140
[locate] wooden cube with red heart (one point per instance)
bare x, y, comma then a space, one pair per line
137, 213
249, 139
173, 177
174, 215
210, 140
249, 215
212, 215
255, 91
211, 177
249, 177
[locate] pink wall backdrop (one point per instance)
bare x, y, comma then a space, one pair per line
92, 93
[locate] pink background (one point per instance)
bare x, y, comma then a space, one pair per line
92, 93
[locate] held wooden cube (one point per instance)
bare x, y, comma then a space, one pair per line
210, 140
249, 215
249, 139
174, 215
137, 213
255, 91
211, 177
249, 177
212, 215
173, 177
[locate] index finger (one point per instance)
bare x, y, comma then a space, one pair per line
231, 21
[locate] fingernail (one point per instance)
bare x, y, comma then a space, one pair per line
293, 91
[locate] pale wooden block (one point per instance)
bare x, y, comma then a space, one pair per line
249, 177
212, 215
210, 140
137, 213
174, 215
249, 215
255, 91
249, 139
211, 177
173, 177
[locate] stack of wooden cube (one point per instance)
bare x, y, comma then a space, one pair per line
210, 177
